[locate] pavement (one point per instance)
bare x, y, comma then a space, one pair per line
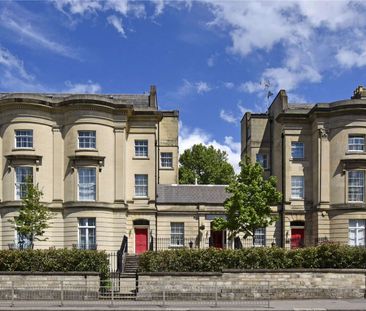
295, 305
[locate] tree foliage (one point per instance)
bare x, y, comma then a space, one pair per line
249, 206
33, 217
207, 164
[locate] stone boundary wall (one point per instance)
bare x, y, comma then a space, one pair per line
48, 285
276, 284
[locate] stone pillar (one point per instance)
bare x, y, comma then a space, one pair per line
120, 163
58, 162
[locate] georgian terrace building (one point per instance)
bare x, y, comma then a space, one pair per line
317, 152
97, 159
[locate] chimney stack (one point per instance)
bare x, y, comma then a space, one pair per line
152, 97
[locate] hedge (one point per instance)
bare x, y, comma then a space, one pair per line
328, 255
55, 260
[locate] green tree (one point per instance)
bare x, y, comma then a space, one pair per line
207, 164
33, 217
249, 206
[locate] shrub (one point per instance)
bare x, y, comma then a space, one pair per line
55, 260
327, 255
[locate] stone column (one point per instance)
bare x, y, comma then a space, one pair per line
58, 163
120, 163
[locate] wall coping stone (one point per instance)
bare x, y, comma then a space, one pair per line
180, 274
300, 270
73, 273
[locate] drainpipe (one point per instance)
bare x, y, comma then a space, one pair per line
282, 210
270, 146
157, 178
198, 227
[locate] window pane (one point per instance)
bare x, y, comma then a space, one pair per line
166, 159
260, 236
297, 150
22, 175
177, 233
23, 139
262, 159
87, 233
87, 140
356, 232
297, 187
356, 186
87, 184
141, 148
141, 185
356, 143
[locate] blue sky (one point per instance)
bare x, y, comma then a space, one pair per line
211, 60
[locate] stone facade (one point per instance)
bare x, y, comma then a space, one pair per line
317, 152
97, 159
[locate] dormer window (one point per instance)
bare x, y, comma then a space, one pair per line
24, 139
356, 143
87, 139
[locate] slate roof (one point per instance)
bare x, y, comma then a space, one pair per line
192, 194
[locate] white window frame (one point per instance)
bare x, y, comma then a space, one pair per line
142, 184
27, 244
88, 141
294, 146
88, 227
360, 186
296, 187
80, 169
27, 135
141, 148
164, 159
353, 145
263, 161
358, 226
177, 234
260, 237
21, 184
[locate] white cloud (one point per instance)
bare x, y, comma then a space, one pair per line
243, 109
159, 7
211, 60
117, 24
188, 88
250, 87
350, 58
189, 137
202, 87
82, 88
80, 7
228, 116
23, 25
312, 36
229, 85
13, 75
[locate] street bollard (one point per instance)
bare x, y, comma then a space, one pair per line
61, 293
12, 294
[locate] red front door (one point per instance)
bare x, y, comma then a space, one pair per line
217, 238
140, 240
297, 238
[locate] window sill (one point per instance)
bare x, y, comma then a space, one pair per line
23, 149
297, 159
140, 158
86, 150
350, 152
141, 198
167, 168
297, 199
